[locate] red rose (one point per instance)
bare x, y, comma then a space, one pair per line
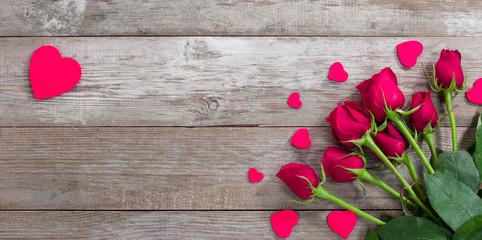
425, 114
349, 122
292, 175
391, 142
448, 66
334, 164
380, 86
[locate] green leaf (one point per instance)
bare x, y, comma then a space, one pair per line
470, 230
438, 151
478, 146
471, 148
478, 136
386, 217
478, 162
406, 228
459, 165
371, 235
452, 200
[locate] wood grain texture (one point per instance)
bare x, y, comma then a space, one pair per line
132, 137
213, 81
129, 168
168, 225
240, 17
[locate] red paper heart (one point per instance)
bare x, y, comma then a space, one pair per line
283, 222
254, 175
301, 138
294, 100
337, 73
52, 75
342, 223
474, 95
408, 52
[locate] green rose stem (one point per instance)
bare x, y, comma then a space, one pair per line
369, 177
397, 120
371, 144
322, 193
448, 102
431, 145
413, 173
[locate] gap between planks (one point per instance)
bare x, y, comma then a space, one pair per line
190, 210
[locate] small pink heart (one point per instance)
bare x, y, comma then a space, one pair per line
254, 175
294, 100
474, 95
52, 75
408, 52
337, 73
342, 223
301, 138
283, 222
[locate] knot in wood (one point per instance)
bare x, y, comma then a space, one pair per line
213, 104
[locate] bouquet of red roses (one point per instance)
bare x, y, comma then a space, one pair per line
446, 203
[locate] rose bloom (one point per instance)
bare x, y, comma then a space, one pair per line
426, 114
391, 142
334, 163
349, 122
380, 86
291, 174
448, 66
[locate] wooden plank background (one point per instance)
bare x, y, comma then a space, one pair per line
241, 17
178, 99
212, 81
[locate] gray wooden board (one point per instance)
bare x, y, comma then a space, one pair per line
213, 81
168, 225
169, 168
240, 17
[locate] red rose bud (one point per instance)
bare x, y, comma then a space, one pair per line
448, 66
426, 114
292, 175
349, 122
391, 142
380, 86
334, 164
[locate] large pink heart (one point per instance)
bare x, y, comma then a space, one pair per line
474, 95
342, 223
283, 222
52, 75
408, 52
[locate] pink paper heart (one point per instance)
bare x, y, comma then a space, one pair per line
283, 222
337, 73
474, 95
408, 52
342, 223
52, 75
294, 100
254, 175
301, 138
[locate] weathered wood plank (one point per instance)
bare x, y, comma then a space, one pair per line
240, 17
168, 225
132, 168
209, 81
